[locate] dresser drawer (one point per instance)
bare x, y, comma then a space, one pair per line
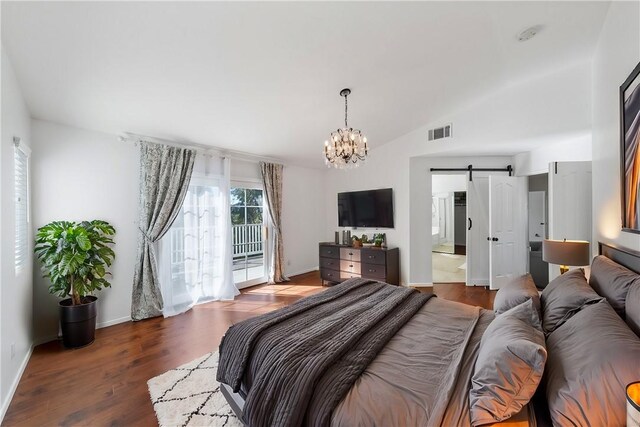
350, 266
350, 254
373, 271
330, 275
329, 251
344, 275
330, 263
373, 256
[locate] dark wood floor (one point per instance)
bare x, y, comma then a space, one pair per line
106, 382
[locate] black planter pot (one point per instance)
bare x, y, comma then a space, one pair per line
78, 322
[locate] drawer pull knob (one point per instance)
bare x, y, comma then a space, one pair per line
371, 271
350, 265
350, 253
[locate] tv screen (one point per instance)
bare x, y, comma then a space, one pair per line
372, 208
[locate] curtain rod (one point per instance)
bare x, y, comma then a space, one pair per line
471, 169
205, 149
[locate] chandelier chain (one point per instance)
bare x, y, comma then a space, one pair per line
345, 111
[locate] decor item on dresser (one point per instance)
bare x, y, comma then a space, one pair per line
630, 150
75, 258
566, 253
339, 263
346, 146
356, 242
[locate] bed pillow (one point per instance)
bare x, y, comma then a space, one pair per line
509, 367
612, 281
516, 292
592, 357
563, 297
632, 308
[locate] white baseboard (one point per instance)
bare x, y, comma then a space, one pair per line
14, 385
113, 322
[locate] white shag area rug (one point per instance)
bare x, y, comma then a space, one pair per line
190, 396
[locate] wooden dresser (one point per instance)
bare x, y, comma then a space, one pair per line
340, 262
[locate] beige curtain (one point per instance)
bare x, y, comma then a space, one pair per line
272, 180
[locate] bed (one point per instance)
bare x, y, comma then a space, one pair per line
366, 353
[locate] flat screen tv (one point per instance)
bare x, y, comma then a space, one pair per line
373, 208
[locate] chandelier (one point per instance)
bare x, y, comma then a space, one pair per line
346, 146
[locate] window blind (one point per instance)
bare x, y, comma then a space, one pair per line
21, 185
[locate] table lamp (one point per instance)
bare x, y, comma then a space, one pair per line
566, 253
633, 404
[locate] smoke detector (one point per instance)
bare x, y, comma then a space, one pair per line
529, 33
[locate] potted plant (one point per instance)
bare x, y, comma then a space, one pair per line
75, 257
378, 239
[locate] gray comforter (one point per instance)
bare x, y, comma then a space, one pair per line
423, 375
298, 363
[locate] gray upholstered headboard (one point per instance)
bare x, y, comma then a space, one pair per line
623, 256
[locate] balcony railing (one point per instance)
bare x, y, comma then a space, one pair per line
246, 239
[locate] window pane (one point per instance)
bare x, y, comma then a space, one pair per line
254, 197
237, 216
254, 215
237, 197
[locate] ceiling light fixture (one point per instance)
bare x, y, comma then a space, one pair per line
346, 146
529, 33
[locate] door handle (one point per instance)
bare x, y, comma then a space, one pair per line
495, 239
489, 239
470, 224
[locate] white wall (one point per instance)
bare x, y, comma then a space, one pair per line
303, 218
16, 291
537, 161
448, 183
617, 53
85, 175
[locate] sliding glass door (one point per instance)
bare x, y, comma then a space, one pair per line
248, 225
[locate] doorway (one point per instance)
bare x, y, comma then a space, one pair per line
538, 210
248, 234
449, 228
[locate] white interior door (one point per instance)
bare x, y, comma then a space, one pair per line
477, 231
569, 204
507, 229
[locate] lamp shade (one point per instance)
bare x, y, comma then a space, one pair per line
633, 404
566, 252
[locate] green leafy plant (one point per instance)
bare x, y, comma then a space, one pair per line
75, 257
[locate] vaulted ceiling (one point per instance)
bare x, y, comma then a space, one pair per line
264, 77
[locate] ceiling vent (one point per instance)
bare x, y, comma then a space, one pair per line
440, 133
